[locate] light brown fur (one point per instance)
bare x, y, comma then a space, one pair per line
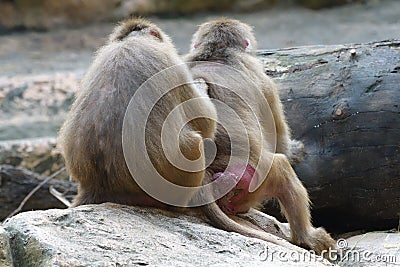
91, 137
225, 41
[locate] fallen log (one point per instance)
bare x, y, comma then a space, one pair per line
17, 183
343, 102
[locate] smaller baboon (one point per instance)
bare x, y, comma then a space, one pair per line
91, 137
223, 44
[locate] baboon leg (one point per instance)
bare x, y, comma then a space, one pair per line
283, 184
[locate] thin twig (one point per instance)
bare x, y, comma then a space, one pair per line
22, 204
60, 196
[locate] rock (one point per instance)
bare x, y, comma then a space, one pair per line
114, 235
39, 155
371, 249
35, 106
5, 250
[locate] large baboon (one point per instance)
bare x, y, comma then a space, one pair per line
91, 137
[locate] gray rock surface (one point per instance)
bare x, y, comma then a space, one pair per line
5, 250
39, 155
35, 106
372, 249
113, 235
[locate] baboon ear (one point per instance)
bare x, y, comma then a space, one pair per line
195, 45
247, 44
155, 33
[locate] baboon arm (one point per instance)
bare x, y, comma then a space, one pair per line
293, 149
271, 95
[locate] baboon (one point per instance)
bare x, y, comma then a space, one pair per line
92, 141
229, 44
91, 137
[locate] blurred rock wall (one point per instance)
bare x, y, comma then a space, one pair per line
46, 14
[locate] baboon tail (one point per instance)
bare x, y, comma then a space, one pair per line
222, 221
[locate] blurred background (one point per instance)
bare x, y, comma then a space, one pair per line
40, 36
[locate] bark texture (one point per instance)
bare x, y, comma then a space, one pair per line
343, 103
17, 183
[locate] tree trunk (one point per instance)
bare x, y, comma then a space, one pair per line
343, 102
